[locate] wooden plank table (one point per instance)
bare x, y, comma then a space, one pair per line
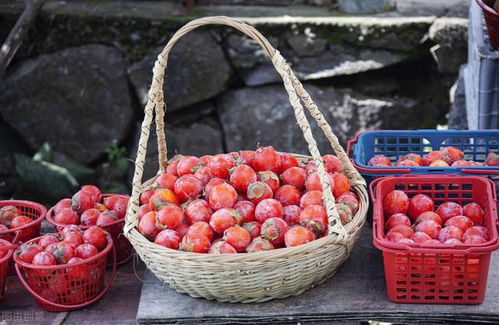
356, 292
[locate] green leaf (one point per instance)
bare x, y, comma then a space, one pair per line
49, 180
122, 164
44, 153
78, 170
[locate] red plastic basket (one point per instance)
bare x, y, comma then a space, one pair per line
418, 273
492, 22
4, 266
56, 290
124, 249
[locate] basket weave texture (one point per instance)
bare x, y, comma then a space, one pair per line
251, 277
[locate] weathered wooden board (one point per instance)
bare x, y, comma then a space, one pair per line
356, 292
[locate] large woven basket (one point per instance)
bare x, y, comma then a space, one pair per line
249, 277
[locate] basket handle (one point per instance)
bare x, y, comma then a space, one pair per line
295, 91
82, 305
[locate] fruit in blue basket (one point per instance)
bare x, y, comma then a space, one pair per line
492, 159
462, 163
67, 216
44, 258
168, 238
439, 163
94, 190
298, 235
287, 161
169, 217
8, 213
224, 219
429, 227
195, 243
448, 210
188, 187
241, 177
259, 244
163, 181
27, 252
82, 201
313, 182
379, 161
95, 236
20, 221
418, 204
268, 208
311, 198
259, 191
287, 195
222, 196
198, 210
291, 214
395, 202
253, 228
451, 154
162, 197
273, 230
414, 157
397, 219
294, 176
460, 221
220, 165
266, 158
188, 165
221, 247
86, 251
246, 210
420, 237
474, 212
314, 217
450, 232
406, 163
433, 156
405, 230
476, 231
428, 215
349, 200
202, 228
341, 184
238, 237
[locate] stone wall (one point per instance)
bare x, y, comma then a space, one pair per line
81, 81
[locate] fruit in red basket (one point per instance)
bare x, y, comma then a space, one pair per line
460, 221
82, 201
258, 191
414, 157
238, 237
146, 196
196, 243
203, 174
94, 190
188, 187
294, 176
379, 161
246, 210
220, 165
428, 215
99, 206
259, 244
420, 237
397, 219
20, 221
287, 195
28, 251
222, 247
476, 231
86, 251
451, 154
77, 272
291, 214
270, 178
67, 216
461, 163
202, 228
450, 232
75, 238
120, 206
433, 156
64, 203
63, 252
169, 217
188, 165
474, 212
266, 158
332, 163
313, 182
350, 201
432, 242
298, 235
406, 163
418, 204
168, 238
448, 210
492, 159
70, 228
452, 241
314, 217
344, 212
394, 236
165, 181
96, 236
47, 239
241, 177
224, 219
405, 230
8, 213
162, 197
311, 198
106, 218
395, 202
198, 210
253, 228
474, 239
89, 217
273, 229
288, 161
44, 258
341, 184
430, 227
268, 208
3, 228
222, 196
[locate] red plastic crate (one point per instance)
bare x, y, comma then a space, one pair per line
451, 274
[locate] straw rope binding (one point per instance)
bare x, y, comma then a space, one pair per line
251, 277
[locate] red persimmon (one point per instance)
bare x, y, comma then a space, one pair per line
188, 165
63, 252
163, 181
430, 227
198, 210
223, 219
67, 216
344, 212
314, 217
266, 158
291, 214
162, 197
273, 229
205, 159
246, 210
241, 177
203, 174
89, 217
476, 231
332, 163
288, 161
77, 272
294, 176
405, 230
48, 239
168, 238
341, 184
270, 178
220, 165
106, 218
143, 209
27, 252
259, 191
86, 251
75, 238
253, 228
474, 239
287, 195
196, 243
428, 215
395, 202
20, 221
169, 217
62, 204
406, 163
420, 237
313, 182
451, 154
474, 212
237, 237
222, 247
82, 201
298, 235
44, 258
418, 204
268, 208
96, 236
448, 210
311, 198
414, 157
211, 184
146, 196
350, 201
460, 221
379, 161
397, 219
259, 244
202, 228
246, 157
188, 187
450, 232
432, 156
94, 190
222, 196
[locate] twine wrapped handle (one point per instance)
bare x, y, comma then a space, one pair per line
295, 91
